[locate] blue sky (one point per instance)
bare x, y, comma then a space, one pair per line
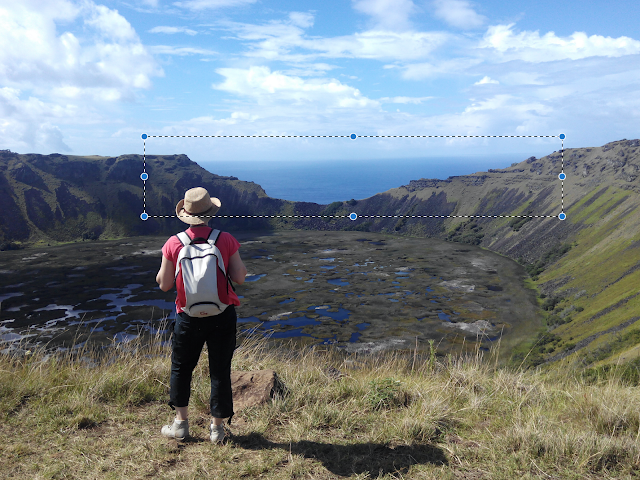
83, 77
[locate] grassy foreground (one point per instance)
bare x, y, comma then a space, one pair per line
343, 416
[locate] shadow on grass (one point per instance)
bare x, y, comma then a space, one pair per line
346, 460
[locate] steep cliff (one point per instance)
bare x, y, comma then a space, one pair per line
57, 198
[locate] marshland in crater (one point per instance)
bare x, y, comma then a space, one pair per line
362, 292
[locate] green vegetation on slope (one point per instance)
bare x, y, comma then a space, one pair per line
517, 223
598, 281
592, 207
552, 256
467, 232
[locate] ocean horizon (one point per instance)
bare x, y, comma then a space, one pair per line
340, 180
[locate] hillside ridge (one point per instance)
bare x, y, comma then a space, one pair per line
587, 267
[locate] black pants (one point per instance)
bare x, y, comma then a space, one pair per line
189, 336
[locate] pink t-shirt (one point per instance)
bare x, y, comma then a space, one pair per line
227, 245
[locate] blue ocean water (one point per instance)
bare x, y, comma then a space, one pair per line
336, 180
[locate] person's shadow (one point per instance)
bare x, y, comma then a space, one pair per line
346, 460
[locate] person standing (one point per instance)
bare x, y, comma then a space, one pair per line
189, 332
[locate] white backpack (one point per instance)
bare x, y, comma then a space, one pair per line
199, 263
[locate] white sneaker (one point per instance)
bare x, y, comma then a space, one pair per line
217, 433
178, 430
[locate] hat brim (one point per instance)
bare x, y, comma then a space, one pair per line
200, 217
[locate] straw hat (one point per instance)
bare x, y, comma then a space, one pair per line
197, 207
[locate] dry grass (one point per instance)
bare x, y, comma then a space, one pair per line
383, 416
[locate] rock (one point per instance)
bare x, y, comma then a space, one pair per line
616, 163
425, 183
77, 172
333, 373
254, 388
22, 173
458, 285
627, 177
478, 327
567, 311
452, 438
374, 348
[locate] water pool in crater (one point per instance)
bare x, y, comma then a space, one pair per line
254, 278
341, 314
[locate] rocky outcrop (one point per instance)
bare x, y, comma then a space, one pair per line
13, 223
255, 388
425, 183
24, 174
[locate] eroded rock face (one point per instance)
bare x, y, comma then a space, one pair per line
254, 388
22, 173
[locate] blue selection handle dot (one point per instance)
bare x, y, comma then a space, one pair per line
353, 136
562, 176
562, 216
562, 136
353, 216
144, 216
144, 136
144, 176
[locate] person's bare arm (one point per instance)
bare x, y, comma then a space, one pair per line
237, 270
166, 275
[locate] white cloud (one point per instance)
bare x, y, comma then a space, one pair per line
529, 46
171, 30
486, 80
44, 12
493, 116
387, 14
405, 100
458, 14
275, 40
268, 87
34, 55
522, 78
301, 19
109, 23
383, 44
63, 63
50, 77
504, 113
181, 51
420, 71
50, 137
29, 123
310, 70
212, 4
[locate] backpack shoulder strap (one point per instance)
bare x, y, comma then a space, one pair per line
184, 238
214, 235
